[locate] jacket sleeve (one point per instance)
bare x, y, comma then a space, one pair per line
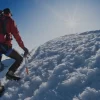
15, 33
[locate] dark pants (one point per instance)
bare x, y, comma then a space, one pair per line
18, 60
12, 53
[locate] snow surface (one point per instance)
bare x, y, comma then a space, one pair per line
66, 68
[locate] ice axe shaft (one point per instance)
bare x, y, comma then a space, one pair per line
26, 65
27, 71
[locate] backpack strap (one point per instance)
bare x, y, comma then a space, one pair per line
3, 27
4, 23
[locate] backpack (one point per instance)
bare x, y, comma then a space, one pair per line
3, 32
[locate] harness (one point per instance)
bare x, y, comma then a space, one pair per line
4, 49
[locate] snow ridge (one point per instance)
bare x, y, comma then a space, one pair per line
66, 68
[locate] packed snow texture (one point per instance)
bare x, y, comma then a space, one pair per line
66, 68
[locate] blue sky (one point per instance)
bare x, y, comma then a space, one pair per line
41, 20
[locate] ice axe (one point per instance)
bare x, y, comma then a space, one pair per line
26, 63
26, 66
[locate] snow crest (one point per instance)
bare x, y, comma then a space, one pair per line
66, 68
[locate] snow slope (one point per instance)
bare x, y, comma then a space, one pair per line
66, 68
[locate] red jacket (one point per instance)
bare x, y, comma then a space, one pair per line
11, 29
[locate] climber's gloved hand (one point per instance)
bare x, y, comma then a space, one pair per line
26, 51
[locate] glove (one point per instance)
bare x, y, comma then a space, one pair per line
26, 52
